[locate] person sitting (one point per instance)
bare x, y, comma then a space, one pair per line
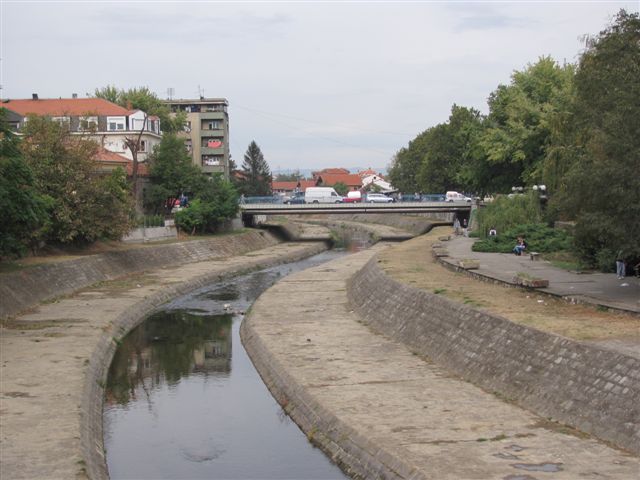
520, 247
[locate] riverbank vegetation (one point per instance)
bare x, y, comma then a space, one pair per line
571, 127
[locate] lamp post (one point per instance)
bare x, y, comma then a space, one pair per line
542, 194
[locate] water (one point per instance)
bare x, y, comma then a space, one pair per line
184, 401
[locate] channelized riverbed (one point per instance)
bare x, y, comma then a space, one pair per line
184, 401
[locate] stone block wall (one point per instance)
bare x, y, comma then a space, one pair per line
23, 289
592, 389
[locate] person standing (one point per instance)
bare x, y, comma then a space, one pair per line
620, 265
464, 227
456, 226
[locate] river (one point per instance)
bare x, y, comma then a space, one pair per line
183, 400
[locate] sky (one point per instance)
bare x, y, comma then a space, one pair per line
316, 84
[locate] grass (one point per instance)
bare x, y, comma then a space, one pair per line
579, 321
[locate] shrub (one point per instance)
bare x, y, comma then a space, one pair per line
506, 213
538, 236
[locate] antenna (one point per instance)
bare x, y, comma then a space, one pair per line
200, 92
170, 92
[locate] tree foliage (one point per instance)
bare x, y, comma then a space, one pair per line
520, 120
256, 175
24, 215
601, 189
85, 204
144, 99
171, 173
213, 206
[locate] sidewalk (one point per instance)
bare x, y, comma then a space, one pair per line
596, 288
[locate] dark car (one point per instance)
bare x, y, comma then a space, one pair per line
295, 198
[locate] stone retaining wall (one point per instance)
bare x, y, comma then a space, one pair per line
23, 289
592, 389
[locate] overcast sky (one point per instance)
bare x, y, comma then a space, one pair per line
315, 84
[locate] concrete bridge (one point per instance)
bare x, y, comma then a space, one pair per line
250, 211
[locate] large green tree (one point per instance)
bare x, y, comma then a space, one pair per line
171, 173
86, 204
256, 175
520, 121
602, 187
24, 215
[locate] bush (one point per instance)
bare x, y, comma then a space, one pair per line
506, 213
539, 237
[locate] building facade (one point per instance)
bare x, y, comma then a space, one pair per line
95, 118
206, 133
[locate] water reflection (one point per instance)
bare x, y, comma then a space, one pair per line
183, 399
165, 348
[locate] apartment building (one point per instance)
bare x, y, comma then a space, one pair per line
206, 133
95, 118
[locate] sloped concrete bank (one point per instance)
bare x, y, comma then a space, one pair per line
592, 389
55, 357
23, 289
92, 433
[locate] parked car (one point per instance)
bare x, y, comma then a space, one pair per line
378, 198
457, 197
353, 197
295, 198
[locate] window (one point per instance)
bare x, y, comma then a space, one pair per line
88, 123
143, 146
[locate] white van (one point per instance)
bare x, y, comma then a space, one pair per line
322, 195
457, 197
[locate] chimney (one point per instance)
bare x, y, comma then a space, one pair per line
34, 96
74, 95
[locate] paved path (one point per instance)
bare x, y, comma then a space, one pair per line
599, 288
415, 417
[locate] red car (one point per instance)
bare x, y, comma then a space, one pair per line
353, 197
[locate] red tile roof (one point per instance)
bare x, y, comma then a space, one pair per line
349, 179
66, 106
113, 160
291, 186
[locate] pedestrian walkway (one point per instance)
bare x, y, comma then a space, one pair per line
388, 413
597, 288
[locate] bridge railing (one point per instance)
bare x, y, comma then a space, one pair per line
270, 199
425, 197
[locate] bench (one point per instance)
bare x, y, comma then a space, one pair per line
534, 256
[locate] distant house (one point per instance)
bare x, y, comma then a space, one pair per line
95, 118
285, 188
378, 181
109, 161
330, 176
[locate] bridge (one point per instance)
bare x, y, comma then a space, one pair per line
249, 211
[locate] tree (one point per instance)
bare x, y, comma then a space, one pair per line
171, 173
213, 206
601, 190
142, 98
520, 118
86, 205
341, 188
289, 177
256, 175
24, 215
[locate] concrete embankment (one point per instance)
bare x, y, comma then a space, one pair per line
30, 286
55, 358
382, 410
592, 389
